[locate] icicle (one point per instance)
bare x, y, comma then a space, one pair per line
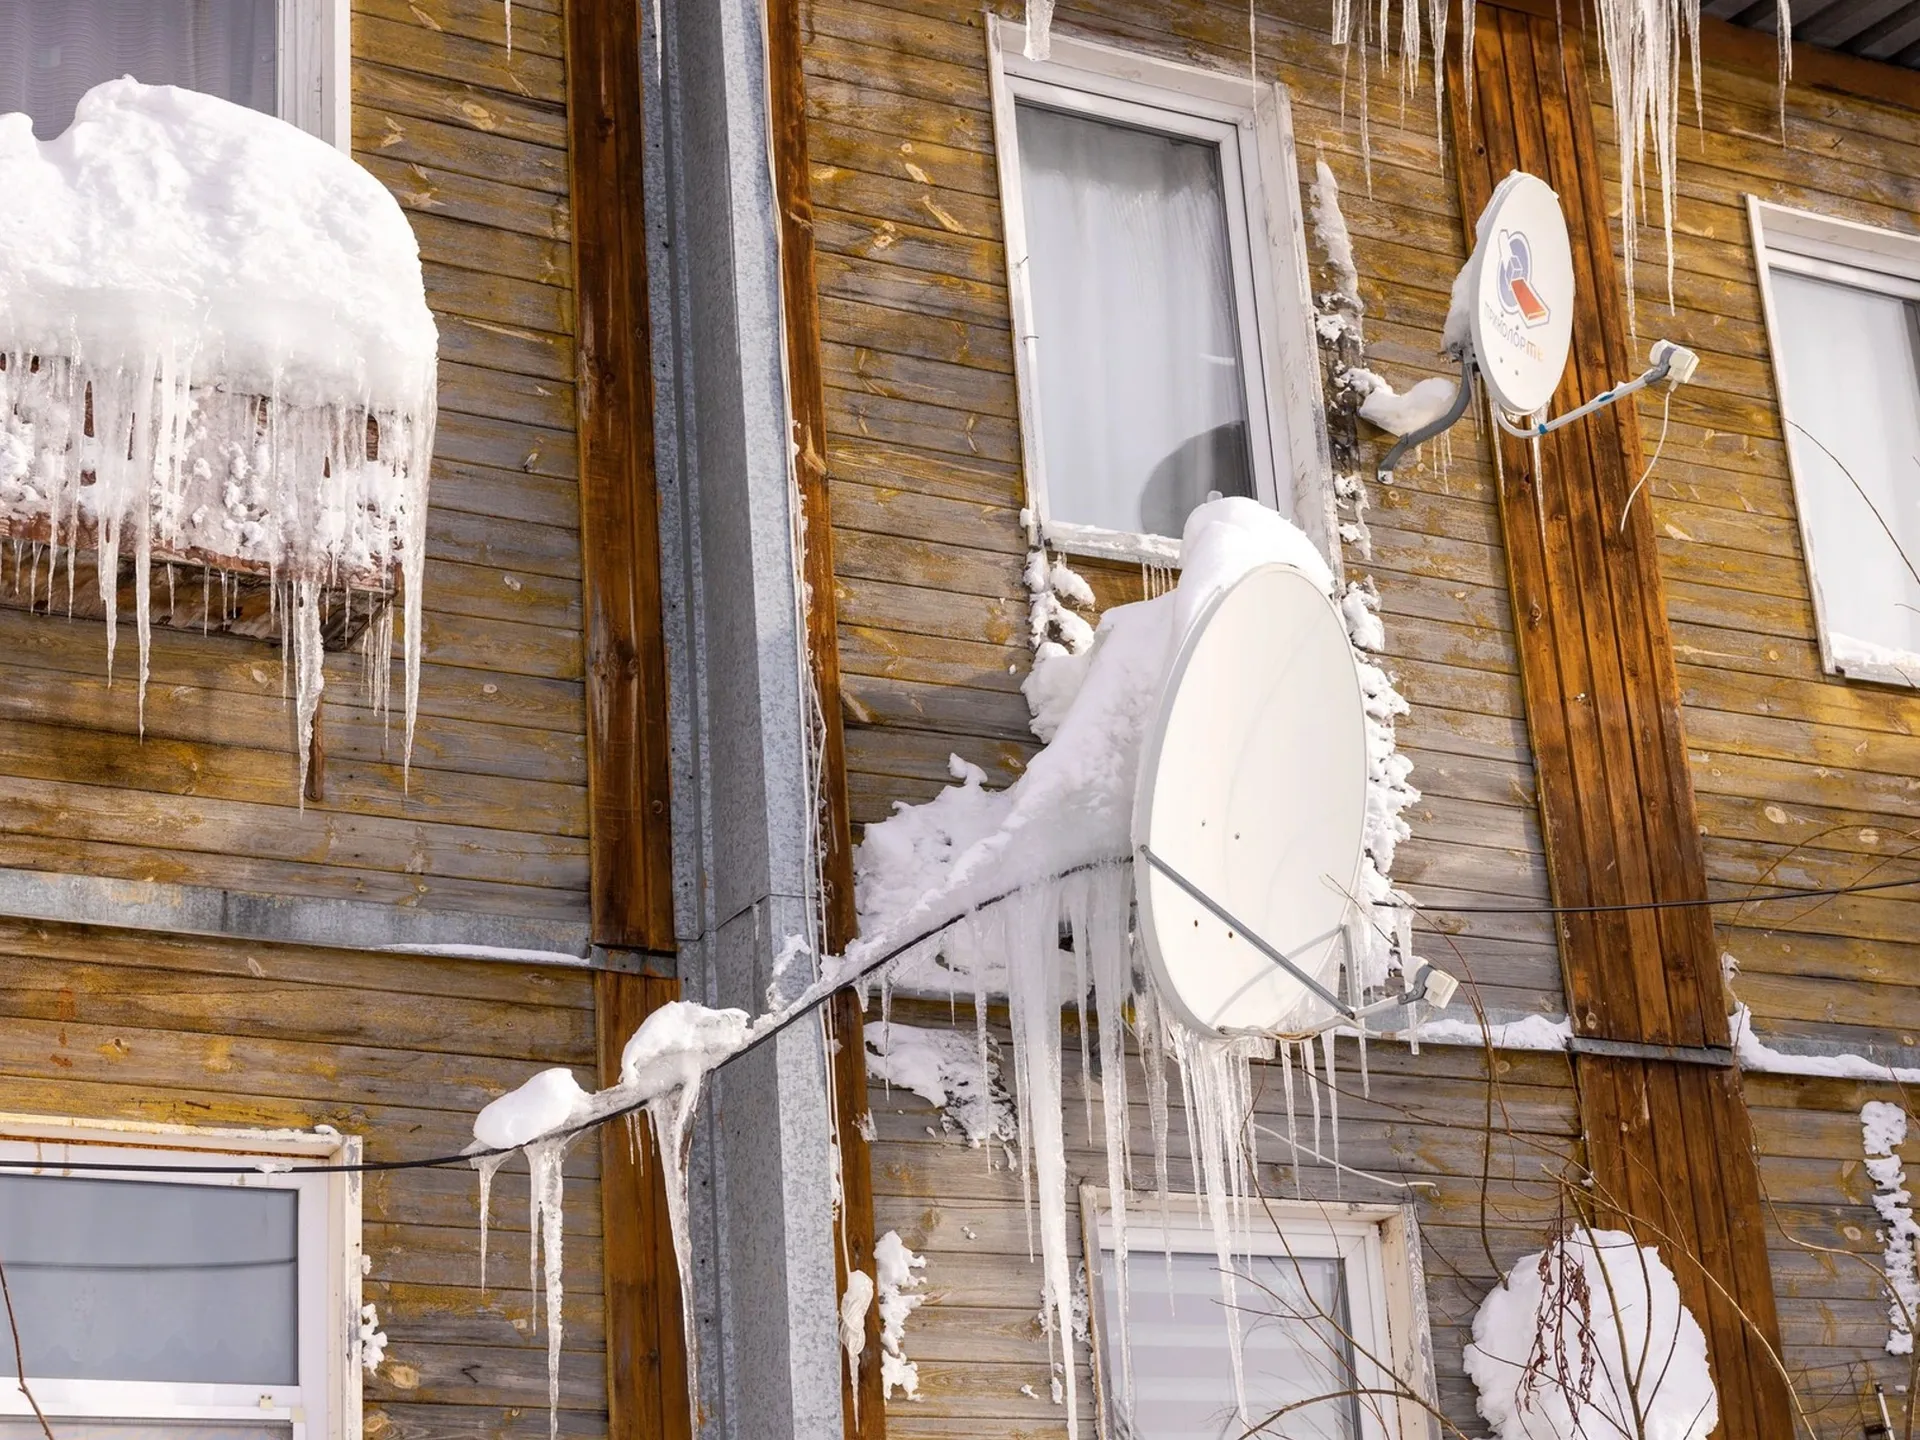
1293, 1129
1039, 29
1313, 1091
1366, 120
1356, 991
1208, 1073
1078, 899
1467, 27
1153, 1063
308, 650
980, 1037
507, 6
487, 1166
1031, 925
1333, 1105
1111, 961
1641, 41
545, 1183
672, 1118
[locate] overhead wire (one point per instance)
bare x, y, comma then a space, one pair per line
432, 1162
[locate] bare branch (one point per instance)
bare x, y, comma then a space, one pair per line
20, 1356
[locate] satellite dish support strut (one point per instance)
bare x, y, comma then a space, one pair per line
1433, 986
1673, 365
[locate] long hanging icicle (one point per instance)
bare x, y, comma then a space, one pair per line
1111, 960
672, 1119
545, 1183
1031, 929
488, 1166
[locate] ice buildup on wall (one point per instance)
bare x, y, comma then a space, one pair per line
215, 349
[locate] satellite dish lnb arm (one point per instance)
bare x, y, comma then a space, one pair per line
1462, 398
1672, 363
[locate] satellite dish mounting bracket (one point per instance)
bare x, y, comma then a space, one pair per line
1433, 986
1672, 365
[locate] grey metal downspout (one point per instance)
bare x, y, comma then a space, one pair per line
762, 1193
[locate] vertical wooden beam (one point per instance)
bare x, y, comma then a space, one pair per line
861, 1397
630, 866
627, 777
1669, 1144
646, 1346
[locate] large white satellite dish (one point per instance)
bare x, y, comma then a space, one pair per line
1248, 825
1521, 286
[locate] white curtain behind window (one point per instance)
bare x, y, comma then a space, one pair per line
1854, 384
1141, 394
1294, 1323
120, 1280
53, 51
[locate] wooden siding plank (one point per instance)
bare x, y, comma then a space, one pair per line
626, 666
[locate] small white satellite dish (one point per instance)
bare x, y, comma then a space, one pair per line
1521, 286
1248, 825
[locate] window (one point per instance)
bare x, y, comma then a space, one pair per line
208, 1307
1159, 294
283, 57
1327, 1313
1843, 315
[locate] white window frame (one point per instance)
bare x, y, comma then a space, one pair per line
1252, 123
314, 69
312, 62
1849, 253
1386, 1286
326, 1404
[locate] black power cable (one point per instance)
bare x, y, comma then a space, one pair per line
435, 1162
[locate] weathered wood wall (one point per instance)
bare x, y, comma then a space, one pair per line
403, 1050
923, 449
977, 1339
923, 459
1803, 779
472, 141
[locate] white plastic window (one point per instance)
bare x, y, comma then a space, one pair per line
1158, 292
156, 1305
1843, 316
282, 57
1324, 1300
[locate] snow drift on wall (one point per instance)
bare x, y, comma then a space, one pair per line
214, 346
1883, 1130
1589, 1338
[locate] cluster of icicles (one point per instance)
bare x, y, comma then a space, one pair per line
143, 463
1641, 43
1062, 941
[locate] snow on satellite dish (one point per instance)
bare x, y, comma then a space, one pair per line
1253, 792
1522, 294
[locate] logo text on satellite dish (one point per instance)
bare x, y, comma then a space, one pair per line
1517, 292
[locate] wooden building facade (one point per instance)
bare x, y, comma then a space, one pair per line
729, 388
1605, 712
197, 957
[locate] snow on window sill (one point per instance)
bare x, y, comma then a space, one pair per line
1863, 660
1107, 544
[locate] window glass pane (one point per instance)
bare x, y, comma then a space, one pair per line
1142, 397
53, 51
1294, 1324
118, 1280
65, 1428
1853, 387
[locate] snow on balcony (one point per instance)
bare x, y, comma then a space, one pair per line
217, 366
